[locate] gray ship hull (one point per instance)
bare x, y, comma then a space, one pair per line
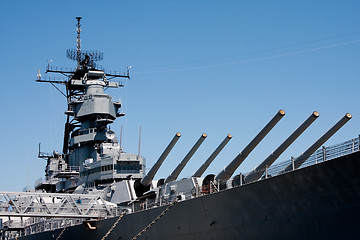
321, 201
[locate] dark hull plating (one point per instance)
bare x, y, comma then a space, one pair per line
317, 202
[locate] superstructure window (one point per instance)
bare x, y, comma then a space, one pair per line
97, 170
128, 167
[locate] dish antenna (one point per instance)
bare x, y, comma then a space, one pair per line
110, 134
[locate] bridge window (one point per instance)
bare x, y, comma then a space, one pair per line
128, 167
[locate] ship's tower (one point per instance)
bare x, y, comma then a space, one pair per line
89, 144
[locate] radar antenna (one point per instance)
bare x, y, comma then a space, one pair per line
84, 59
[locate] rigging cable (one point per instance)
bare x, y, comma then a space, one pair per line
255, 59
263, 50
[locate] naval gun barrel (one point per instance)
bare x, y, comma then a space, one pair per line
151, 174
206, 164
173, 176
260, 169
305, 155
228, 171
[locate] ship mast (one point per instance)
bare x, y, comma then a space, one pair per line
86, 60
78, 42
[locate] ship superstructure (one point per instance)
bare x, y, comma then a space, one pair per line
92, 154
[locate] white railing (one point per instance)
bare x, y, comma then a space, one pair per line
71, 169
321, 155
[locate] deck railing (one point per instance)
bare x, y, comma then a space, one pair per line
321, 155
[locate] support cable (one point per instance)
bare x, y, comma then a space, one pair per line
113, 226
62, 232
154, 221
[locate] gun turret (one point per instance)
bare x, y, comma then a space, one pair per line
260, 169
206, 164
173, 176
226, 173
305, 155
143, 185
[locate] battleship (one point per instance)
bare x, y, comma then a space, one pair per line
96, 190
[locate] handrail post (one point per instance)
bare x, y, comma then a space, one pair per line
241, 182
293, 163
324, 153
266, 171
353, 146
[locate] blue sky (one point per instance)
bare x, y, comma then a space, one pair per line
217, 67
